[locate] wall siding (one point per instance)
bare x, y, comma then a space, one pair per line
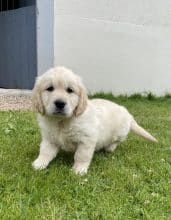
18, 66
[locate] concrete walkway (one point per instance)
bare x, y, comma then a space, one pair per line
15, 92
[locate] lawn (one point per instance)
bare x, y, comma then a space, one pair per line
132, 183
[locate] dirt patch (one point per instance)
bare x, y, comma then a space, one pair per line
15, 101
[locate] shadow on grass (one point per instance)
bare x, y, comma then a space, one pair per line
64, 159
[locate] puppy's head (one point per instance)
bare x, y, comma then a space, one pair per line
59, 92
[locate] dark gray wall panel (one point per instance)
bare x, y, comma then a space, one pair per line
18, 48
24, 3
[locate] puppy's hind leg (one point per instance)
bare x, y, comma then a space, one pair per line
47, 153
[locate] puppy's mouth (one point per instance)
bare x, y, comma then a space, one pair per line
59, 113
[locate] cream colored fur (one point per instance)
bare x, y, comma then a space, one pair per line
85, 125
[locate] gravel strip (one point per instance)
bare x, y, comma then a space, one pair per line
11, 99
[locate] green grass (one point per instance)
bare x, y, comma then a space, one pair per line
132, 183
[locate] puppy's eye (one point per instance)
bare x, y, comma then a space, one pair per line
69, 90
50, 89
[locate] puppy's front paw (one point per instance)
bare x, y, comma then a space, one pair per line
80, 168
40, 164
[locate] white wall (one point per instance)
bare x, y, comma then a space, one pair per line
120, 46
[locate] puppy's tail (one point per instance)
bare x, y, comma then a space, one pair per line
135, 128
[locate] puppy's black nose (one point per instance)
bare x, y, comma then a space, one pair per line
60, 104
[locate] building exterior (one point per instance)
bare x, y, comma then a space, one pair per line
119, 46
18, 58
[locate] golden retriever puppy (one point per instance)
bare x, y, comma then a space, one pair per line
71, 122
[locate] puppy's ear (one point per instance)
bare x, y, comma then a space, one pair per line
37, 99
82, 100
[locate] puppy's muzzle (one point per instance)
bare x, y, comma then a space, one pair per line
60, 106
